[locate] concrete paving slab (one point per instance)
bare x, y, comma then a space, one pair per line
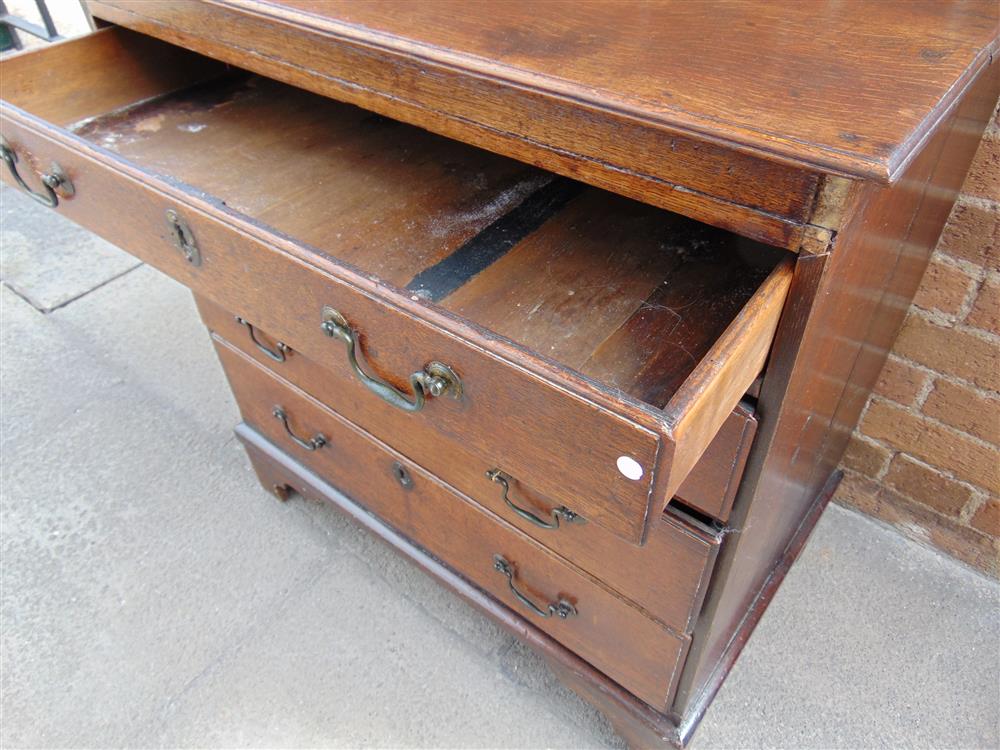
148, 332
417, 587
47, 259
131, 559
872, 641
118, 574
43, 373
349, 664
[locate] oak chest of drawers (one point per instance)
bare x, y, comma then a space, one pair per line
585, 349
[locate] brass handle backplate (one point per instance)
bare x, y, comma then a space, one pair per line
55, 179
434, 380
561, 609
314, 443
556, 514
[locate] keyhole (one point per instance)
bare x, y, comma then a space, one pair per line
402, 475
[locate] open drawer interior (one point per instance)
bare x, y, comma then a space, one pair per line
650, 306
629, 295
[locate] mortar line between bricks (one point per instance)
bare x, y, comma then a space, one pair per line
936, 422
959, 521
978, 500
902, 530
83, 294
947, 377
941, 320
970, 269
977, 201
159, 718
978, 496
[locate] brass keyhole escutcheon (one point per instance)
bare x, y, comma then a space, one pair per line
402, 475
183, 238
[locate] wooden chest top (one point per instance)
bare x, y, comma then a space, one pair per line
808, 83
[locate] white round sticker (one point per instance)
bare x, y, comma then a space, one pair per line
629, 467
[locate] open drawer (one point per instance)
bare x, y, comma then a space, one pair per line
586, 345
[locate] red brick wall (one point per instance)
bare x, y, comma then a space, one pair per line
925, 455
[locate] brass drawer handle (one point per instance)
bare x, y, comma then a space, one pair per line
316, 441
56, 177
561, 609
434, 380
557, 514
278, 354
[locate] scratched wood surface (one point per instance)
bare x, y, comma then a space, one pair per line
608, 631
858, 105
665, 167
665, 577
367, 190
280, 271
710, 486
627, 294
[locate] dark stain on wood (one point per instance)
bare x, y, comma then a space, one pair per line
491, 244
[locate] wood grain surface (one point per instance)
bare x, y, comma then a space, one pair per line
839, 129
665, 167
78, 79
845, 310
626, 294
665, 577
698, 409
512, 389
607, 631
709, 487
753, 74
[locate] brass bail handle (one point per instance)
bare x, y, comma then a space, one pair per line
561, 609
316, 442
434, 380
280, 351
55, 178
562, 513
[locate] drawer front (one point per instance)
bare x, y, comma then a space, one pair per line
665, 577
572, 607
710, 487
382, 345
516, 416
590, 143
712, 484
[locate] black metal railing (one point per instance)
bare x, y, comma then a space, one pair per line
11, 26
